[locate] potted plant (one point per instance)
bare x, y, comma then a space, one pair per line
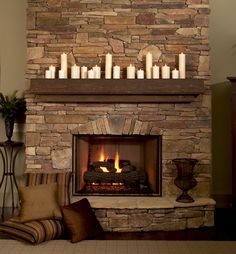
11, 107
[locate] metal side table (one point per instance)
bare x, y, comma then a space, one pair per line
8, 152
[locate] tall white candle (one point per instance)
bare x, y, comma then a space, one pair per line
48, 74
130, 72
155, 72
149, 65
62, 74
140, 74
97, 72
53, 71
175, 74
75, 72
116, 72
91, 74
165, 72
108, 66
84, 72
64, 63
182, 66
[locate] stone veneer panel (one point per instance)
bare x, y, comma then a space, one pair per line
50, 127
128, 29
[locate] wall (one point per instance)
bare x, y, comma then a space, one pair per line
13, 61
223, 64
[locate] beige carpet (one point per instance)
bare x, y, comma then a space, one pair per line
119, 247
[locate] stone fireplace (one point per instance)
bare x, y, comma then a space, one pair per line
175, 112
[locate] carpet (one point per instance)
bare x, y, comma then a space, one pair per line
8, 246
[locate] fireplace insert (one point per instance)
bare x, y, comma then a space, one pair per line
117, 165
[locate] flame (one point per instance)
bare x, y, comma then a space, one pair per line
102, 154
104, 169
102, 158
117, 159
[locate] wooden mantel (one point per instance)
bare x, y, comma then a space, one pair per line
116, 91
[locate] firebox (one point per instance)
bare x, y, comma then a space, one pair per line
117, 165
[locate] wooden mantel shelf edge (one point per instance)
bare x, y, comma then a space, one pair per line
110, 91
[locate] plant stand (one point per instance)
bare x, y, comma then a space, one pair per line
9, 151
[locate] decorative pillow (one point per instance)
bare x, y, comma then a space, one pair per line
61, 178
38, 203
80, 221
34, 232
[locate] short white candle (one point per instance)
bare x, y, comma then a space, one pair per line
130, 72
108, 66
182, 66
97, 72
116, 72
140, 74
62, 74
91, 74
48, 74
149, 65
64, 63
75, 72
53, 71
156, 72
84, 72
175, 74
165, 72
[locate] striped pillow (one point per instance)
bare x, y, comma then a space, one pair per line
62, 179
35, 231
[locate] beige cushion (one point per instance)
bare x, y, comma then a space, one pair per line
39, 202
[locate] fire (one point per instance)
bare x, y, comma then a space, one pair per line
102, 154
102, 158
117, 159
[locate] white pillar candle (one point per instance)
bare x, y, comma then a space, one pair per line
97, 72
165, 72
155, 72
149, 65
175, 74
91, 74
84, 72
116, 72
64, 63
140, 74
48, 74
62, 74
130, 72
75, 72
182, 66
53, 71
108, 66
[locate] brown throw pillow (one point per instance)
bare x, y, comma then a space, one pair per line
80, 221
39, 202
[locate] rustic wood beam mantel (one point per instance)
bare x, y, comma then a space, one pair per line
110, 91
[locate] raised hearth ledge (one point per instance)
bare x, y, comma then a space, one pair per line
116, 91
136, 214
143, 202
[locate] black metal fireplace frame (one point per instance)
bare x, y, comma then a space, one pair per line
76, 178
